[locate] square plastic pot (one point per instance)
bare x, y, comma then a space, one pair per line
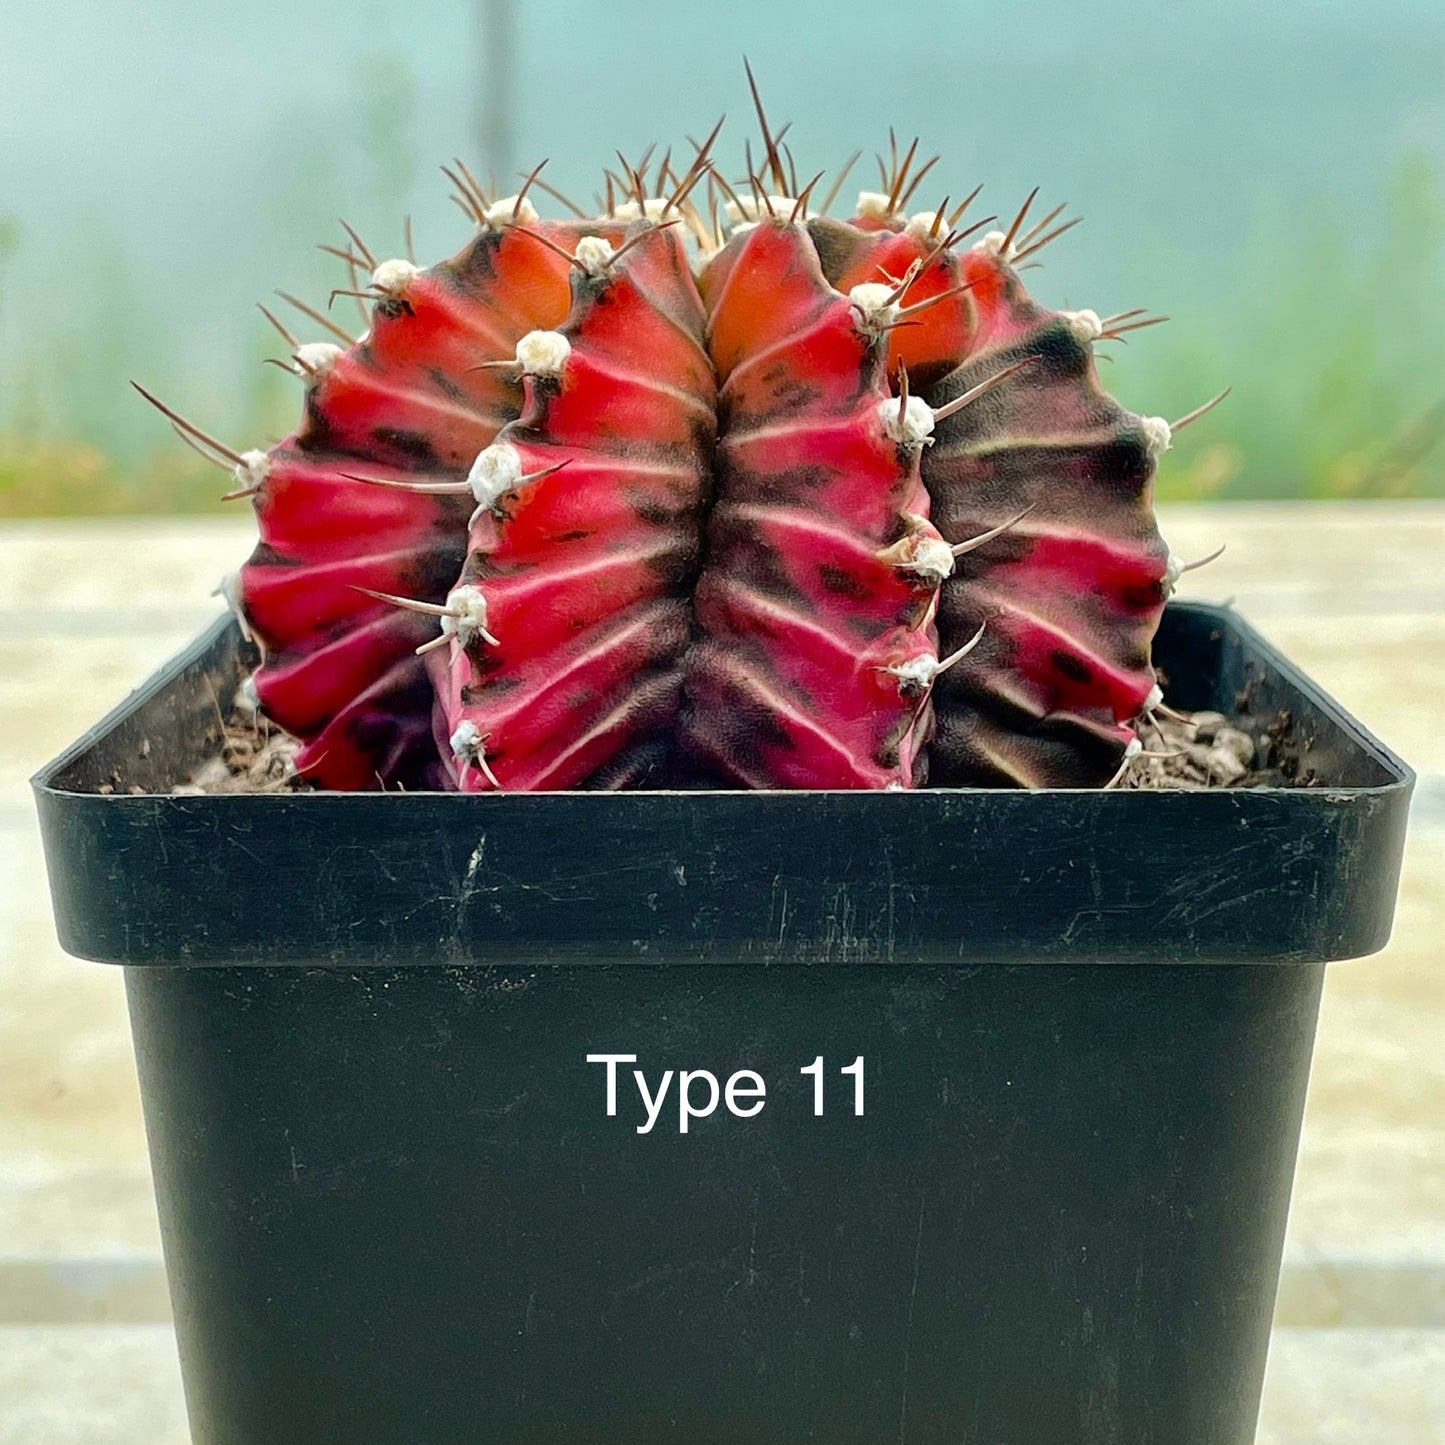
396, 1208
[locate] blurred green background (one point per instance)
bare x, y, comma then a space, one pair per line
1269, 174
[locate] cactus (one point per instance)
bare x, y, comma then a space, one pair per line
739, 496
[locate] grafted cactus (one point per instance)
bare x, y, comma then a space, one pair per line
744, 497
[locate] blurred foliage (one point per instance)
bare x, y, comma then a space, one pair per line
43, 476
75, 439
1335, 348
1333, 342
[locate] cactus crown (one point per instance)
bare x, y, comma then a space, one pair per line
708, 489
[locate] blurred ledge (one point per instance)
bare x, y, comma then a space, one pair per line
17, 625
1360, 1293
83, 1291
1354, 1387
1315, 1294
141, 566
90, 1385
121, 1385
1427, 806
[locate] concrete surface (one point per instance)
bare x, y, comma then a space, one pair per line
1355, 593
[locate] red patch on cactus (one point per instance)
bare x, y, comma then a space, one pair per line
585, 570
938, 314
809, 622
409, 404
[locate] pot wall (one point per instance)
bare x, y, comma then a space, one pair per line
395, 1208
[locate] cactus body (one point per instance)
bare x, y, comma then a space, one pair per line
587, 570
822, 504
1071, 594
813, 611
407, 404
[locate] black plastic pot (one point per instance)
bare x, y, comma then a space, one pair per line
396, 1209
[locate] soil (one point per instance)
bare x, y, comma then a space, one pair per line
1187, 751
254, 756
1203, 750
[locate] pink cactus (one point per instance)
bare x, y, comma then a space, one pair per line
655, 499
584, 550
366, 501
816, 600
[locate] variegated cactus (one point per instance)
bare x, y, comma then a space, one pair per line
732, 495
